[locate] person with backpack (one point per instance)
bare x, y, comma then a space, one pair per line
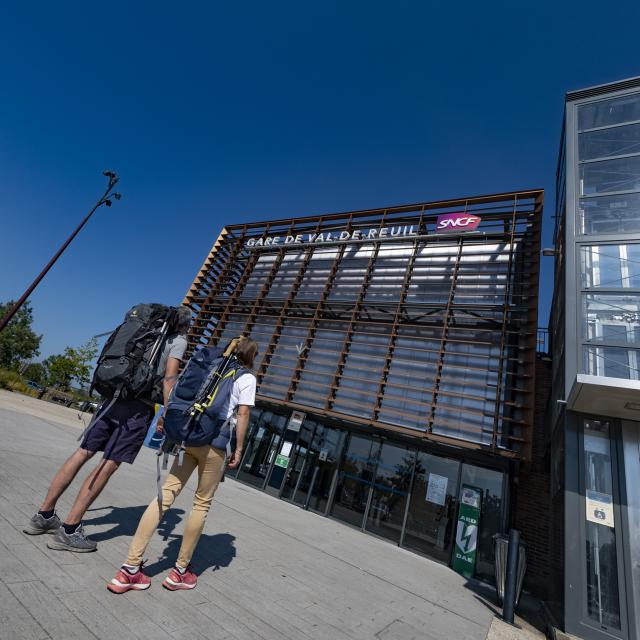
211, 395
144, 353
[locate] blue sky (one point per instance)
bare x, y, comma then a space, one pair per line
215, 113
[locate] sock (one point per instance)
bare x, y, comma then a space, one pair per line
131, 569
47, 514
70, 528
180, 570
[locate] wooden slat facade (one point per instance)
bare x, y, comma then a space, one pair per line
426, 334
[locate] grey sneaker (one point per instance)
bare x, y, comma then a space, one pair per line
75, 541
39, 525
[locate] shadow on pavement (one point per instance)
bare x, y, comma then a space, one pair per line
126, 521
215, 551
527, 611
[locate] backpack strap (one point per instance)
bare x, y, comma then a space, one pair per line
232, 420
165, 450
100, 413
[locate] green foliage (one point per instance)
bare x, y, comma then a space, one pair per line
17, 340
72, 364
60, 371
8, 378
36, 372
12, 381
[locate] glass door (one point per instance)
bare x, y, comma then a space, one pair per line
602, 584
298, 473
431, 517
262, 449
355, 480
281, 462
389, 498
313, 466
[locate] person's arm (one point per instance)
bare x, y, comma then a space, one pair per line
241, 431
168, 382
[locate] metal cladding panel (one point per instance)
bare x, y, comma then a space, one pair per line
603, 89
419, 319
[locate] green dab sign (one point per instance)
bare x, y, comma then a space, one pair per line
464, 550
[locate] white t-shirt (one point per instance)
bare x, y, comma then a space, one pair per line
242, 392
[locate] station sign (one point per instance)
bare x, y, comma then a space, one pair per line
456, 222
333, 236
446, 223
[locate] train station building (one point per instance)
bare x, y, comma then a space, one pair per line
397, 364
405, 387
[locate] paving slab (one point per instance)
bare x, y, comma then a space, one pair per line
268, 569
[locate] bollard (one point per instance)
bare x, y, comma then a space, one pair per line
509, 605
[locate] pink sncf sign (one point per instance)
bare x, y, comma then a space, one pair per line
449, 222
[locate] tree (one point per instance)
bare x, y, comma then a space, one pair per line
17, 340
72, 364
36, 372
83, 358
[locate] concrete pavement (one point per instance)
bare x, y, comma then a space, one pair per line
268, 570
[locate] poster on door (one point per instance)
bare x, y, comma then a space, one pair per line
437, 489
464, 550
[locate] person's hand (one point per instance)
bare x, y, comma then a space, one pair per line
160, 425
235, 458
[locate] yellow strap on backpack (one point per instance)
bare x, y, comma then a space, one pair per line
200, 407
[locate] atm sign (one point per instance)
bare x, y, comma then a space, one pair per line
450, 222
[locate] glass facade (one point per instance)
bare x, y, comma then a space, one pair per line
405, 495
595, 328
410, 350
608, 206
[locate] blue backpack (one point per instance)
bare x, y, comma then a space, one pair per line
198, 406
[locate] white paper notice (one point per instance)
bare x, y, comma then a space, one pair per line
599, 508
437, 488
286, 449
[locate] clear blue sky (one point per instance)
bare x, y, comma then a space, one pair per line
215, 113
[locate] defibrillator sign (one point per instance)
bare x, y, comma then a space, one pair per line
464, 550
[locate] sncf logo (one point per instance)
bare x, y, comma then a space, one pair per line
457, 222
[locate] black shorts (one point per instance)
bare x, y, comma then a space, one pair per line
121, 431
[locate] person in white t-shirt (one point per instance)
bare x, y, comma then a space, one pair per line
210, 464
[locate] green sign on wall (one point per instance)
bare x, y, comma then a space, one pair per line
282, 461
464, 550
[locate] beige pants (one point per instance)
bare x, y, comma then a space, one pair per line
209, 462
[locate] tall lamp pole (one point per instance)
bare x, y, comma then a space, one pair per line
105, 199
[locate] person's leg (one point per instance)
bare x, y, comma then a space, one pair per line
67, 472
91, 488
210, 463
172, 487
128, 421
121, 439
46, 519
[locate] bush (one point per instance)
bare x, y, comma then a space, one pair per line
12, 381
7, 378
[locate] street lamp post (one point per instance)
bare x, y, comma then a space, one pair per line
106, 200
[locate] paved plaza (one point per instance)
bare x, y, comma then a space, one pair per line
268, 570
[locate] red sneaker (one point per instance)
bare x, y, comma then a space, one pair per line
176, 580
125, 581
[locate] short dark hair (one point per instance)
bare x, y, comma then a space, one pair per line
246, 351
